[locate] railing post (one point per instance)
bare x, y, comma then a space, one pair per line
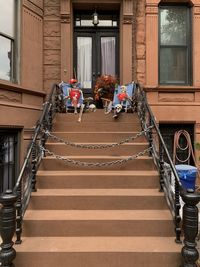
33, 170
19, 215
150, 136
190, 228
7, 228
177, 212
161, 163
50, 119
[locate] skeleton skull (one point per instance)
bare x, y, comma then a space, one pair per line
118, 108
92, 107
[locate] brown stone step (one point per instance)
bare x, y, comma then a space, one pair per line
98, 252
95, 126
97, 179
141, 163
99, 116
97, 199
98, 223
125, 149
94, 137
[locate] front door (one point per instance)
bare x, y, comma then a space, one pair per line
96, 53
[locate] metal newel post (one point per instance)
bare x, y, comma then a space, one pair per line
190, 228
7, 228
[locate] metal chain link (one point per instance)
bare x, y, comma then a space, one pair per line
94, 164
131, 138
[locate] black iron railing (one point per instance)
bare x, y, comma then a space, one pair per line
182, 202
15, 201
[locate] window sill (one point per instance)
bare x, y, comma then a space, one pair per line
17, 88
172, 88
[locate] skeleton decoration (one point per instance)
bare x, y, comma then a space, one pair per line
92, 107
117, 110
74, 95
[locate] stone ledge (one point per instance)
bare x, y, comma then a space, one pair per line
17, 88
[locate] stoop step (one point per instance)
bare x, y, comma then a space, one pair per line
98, 252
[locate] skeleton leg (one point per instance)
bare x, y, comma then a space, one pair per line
81, 113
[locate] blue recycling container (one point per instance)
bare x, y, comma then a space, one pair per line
187, 175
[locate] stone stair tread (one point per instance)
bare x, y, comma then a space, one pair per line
97, 173
97, 192
85, 215
99, 244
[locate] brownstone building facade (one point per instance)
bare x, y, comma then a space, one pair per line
44, 47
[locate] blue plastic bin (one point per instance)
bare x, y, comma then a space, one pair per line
187, 175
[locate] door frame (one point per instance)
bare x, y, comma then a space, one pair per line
96, 33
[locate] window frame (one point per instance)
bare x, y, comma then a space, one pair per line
188, 46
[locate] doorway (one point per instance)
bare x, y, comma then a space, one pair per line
96, 48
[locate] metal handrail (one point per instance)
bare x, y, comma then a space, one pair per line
187, 224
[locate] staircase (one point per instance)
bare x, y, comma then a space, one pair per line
97, 217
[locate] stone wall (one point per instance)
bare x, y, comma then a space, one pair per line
52, 43
32, 44
140, 42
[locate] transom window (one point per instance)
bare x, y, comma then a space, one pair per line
85, 20
175, 45
7, 39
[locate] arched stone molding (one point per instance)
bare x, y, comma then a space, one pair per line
66, 40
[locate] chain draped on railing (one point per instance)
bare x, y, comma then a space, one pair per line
97, 146
187, 222
94, 164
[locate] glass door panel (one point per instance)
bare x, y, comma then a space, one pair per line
108, 52
84, 61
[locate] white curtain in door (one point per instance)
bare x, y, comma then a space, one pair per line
84, 63
108, 55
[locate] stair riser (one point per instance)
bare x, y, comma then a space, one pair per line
126, 150
98, 259
97, 228
98, 116
60, 182
97, 202
137, 164
97, 137
96, 127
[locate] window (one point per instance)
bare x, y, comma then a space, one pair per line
7, 39
175, 45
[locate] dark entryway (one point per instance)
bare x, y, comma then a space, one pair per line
168, 131
96, 48
9, 158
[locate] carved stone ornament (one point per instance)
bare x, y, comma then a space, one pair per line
197, 10
65, 18
151, 9
127, 19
